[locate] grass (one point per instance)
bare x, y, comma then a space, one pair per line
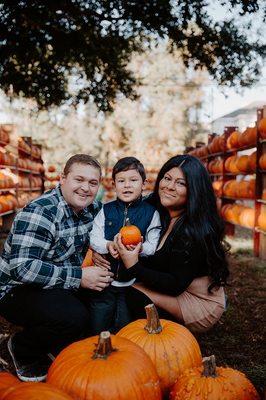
238, 339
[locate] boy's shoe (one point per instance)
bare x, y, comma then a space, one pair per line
32, 372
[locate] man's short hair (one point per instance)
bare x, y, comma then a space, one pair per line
127, 163
84, 159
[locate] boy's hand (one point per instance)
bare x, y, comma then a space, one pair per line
111, 247
100, 261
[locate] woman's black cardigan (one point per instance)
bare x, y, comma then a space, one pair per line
174, 266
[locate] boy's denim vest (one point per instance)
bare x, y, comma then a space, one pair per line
139, 212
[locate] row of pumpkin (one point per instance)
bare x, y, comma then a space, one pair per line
237, 164
10, 159
31, 149
235, 141
10, 180
244, 216
150, 359
10, 202
243, 189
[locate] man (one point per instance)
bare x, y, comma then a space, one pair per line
42, 284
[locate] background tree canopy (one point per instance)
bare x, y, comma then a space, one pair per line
55, 51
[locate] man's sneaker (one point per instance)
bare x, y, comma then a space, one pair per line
33, 372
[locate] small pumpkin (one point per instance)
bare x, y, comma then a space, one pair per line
51, 168
130, 234
211, 383
87, 262
112, 369
171, 346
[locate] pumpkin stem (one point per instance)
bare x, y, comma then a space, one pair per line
104, 346
209, 367
153, 322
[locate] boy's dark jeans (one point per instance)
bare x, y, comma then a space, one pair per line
51, 319
108, 310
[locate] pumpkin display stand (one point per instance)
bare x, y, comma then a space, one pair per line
240, 177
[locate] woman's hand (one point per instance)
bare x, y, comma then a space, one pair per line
128, 254
111, 247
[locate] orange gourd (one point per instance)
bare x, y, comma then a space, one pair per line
171, 346
112, 369
262, 162
218, 187
252, 161
242, 163
247, 217
130, 234
213, 383
87, 262
51, 168
262, 220
7, 380
248, 137
233, 140
262, 128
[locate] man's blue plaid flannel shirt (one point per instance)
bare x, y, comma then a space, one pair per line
46, 244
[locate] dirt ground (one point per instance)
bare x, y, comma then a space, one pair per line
238, 340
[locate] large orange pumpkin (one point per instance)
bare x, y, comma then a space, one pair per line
171, 346
7, 380
112, 369
211, 383
33, 391
130, 234
262, 220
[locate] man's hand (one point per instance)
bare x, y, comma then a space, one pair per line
96, 278
111, 247
100, 261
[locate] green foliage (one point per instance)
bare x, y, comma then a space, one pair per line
44, 42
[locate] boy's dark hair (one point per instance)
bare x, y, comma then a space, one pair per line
84, 159
127, 163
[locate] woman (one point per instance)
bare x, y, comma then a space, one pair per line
186, 275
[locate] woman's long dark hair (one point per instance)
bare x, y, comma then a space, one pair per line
202, 221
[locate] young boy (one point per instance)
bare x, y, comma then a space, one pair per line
108, 309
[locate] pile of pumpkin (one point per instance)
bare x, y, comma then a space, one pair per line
146, 360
